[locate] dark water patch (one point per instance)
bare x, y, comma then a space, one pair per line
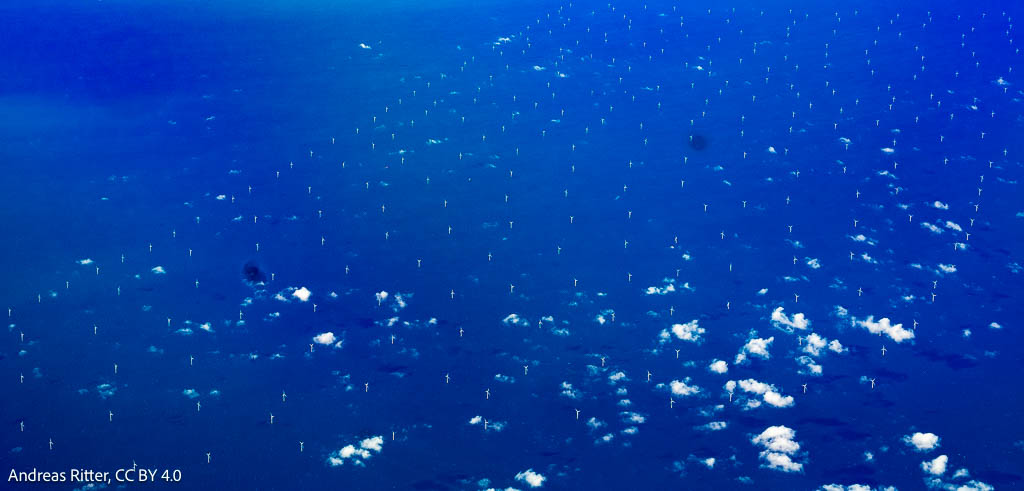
954, 361
253, 273
698, 142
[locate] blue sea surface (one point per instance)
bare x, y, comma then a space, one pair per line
473, 245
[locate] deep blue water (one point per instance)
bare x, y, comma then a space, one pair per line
333, 145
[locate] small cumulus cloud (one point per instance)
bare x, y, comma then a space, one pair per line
936, 466
691, 331
782, 321
682, 389
327, 339
779, 448
357, 453
768, 393
302, 294
755, 346
922, 442
719, 366
531, 478
885, 326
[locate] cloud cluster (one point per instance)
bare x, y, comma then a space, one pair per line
328, 339
719, 366
755, 346
936, 466
397, 301
781, 321
669, 287
681, 389
531, 478
884, 326
358, 454
486, 424
691, 331
923, 442
814, 344
302, 294
779, 448
767, 392
811, 367
513, 319
569, 391
853, 487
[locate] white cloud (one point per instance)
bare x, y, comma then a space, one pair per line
719, 366
923, 442
947, 268
568, 391
533, 479
669, 287
302, 294
836, 346
327, 339
813, 368
375, 443
85, 262
356, 453
779, 445
940, 205
780, 462
488, 425
777, 400
751, 385
755, 346
158, 270
190, 393
767, 392
397, 299
814, 343
691, 331
633, 417
896, 332
777, 439
399, 302
680, 388
863, 238
514, 320
714, 426
936, 466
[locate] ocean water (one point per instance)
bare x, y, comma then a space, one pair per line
472, 245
